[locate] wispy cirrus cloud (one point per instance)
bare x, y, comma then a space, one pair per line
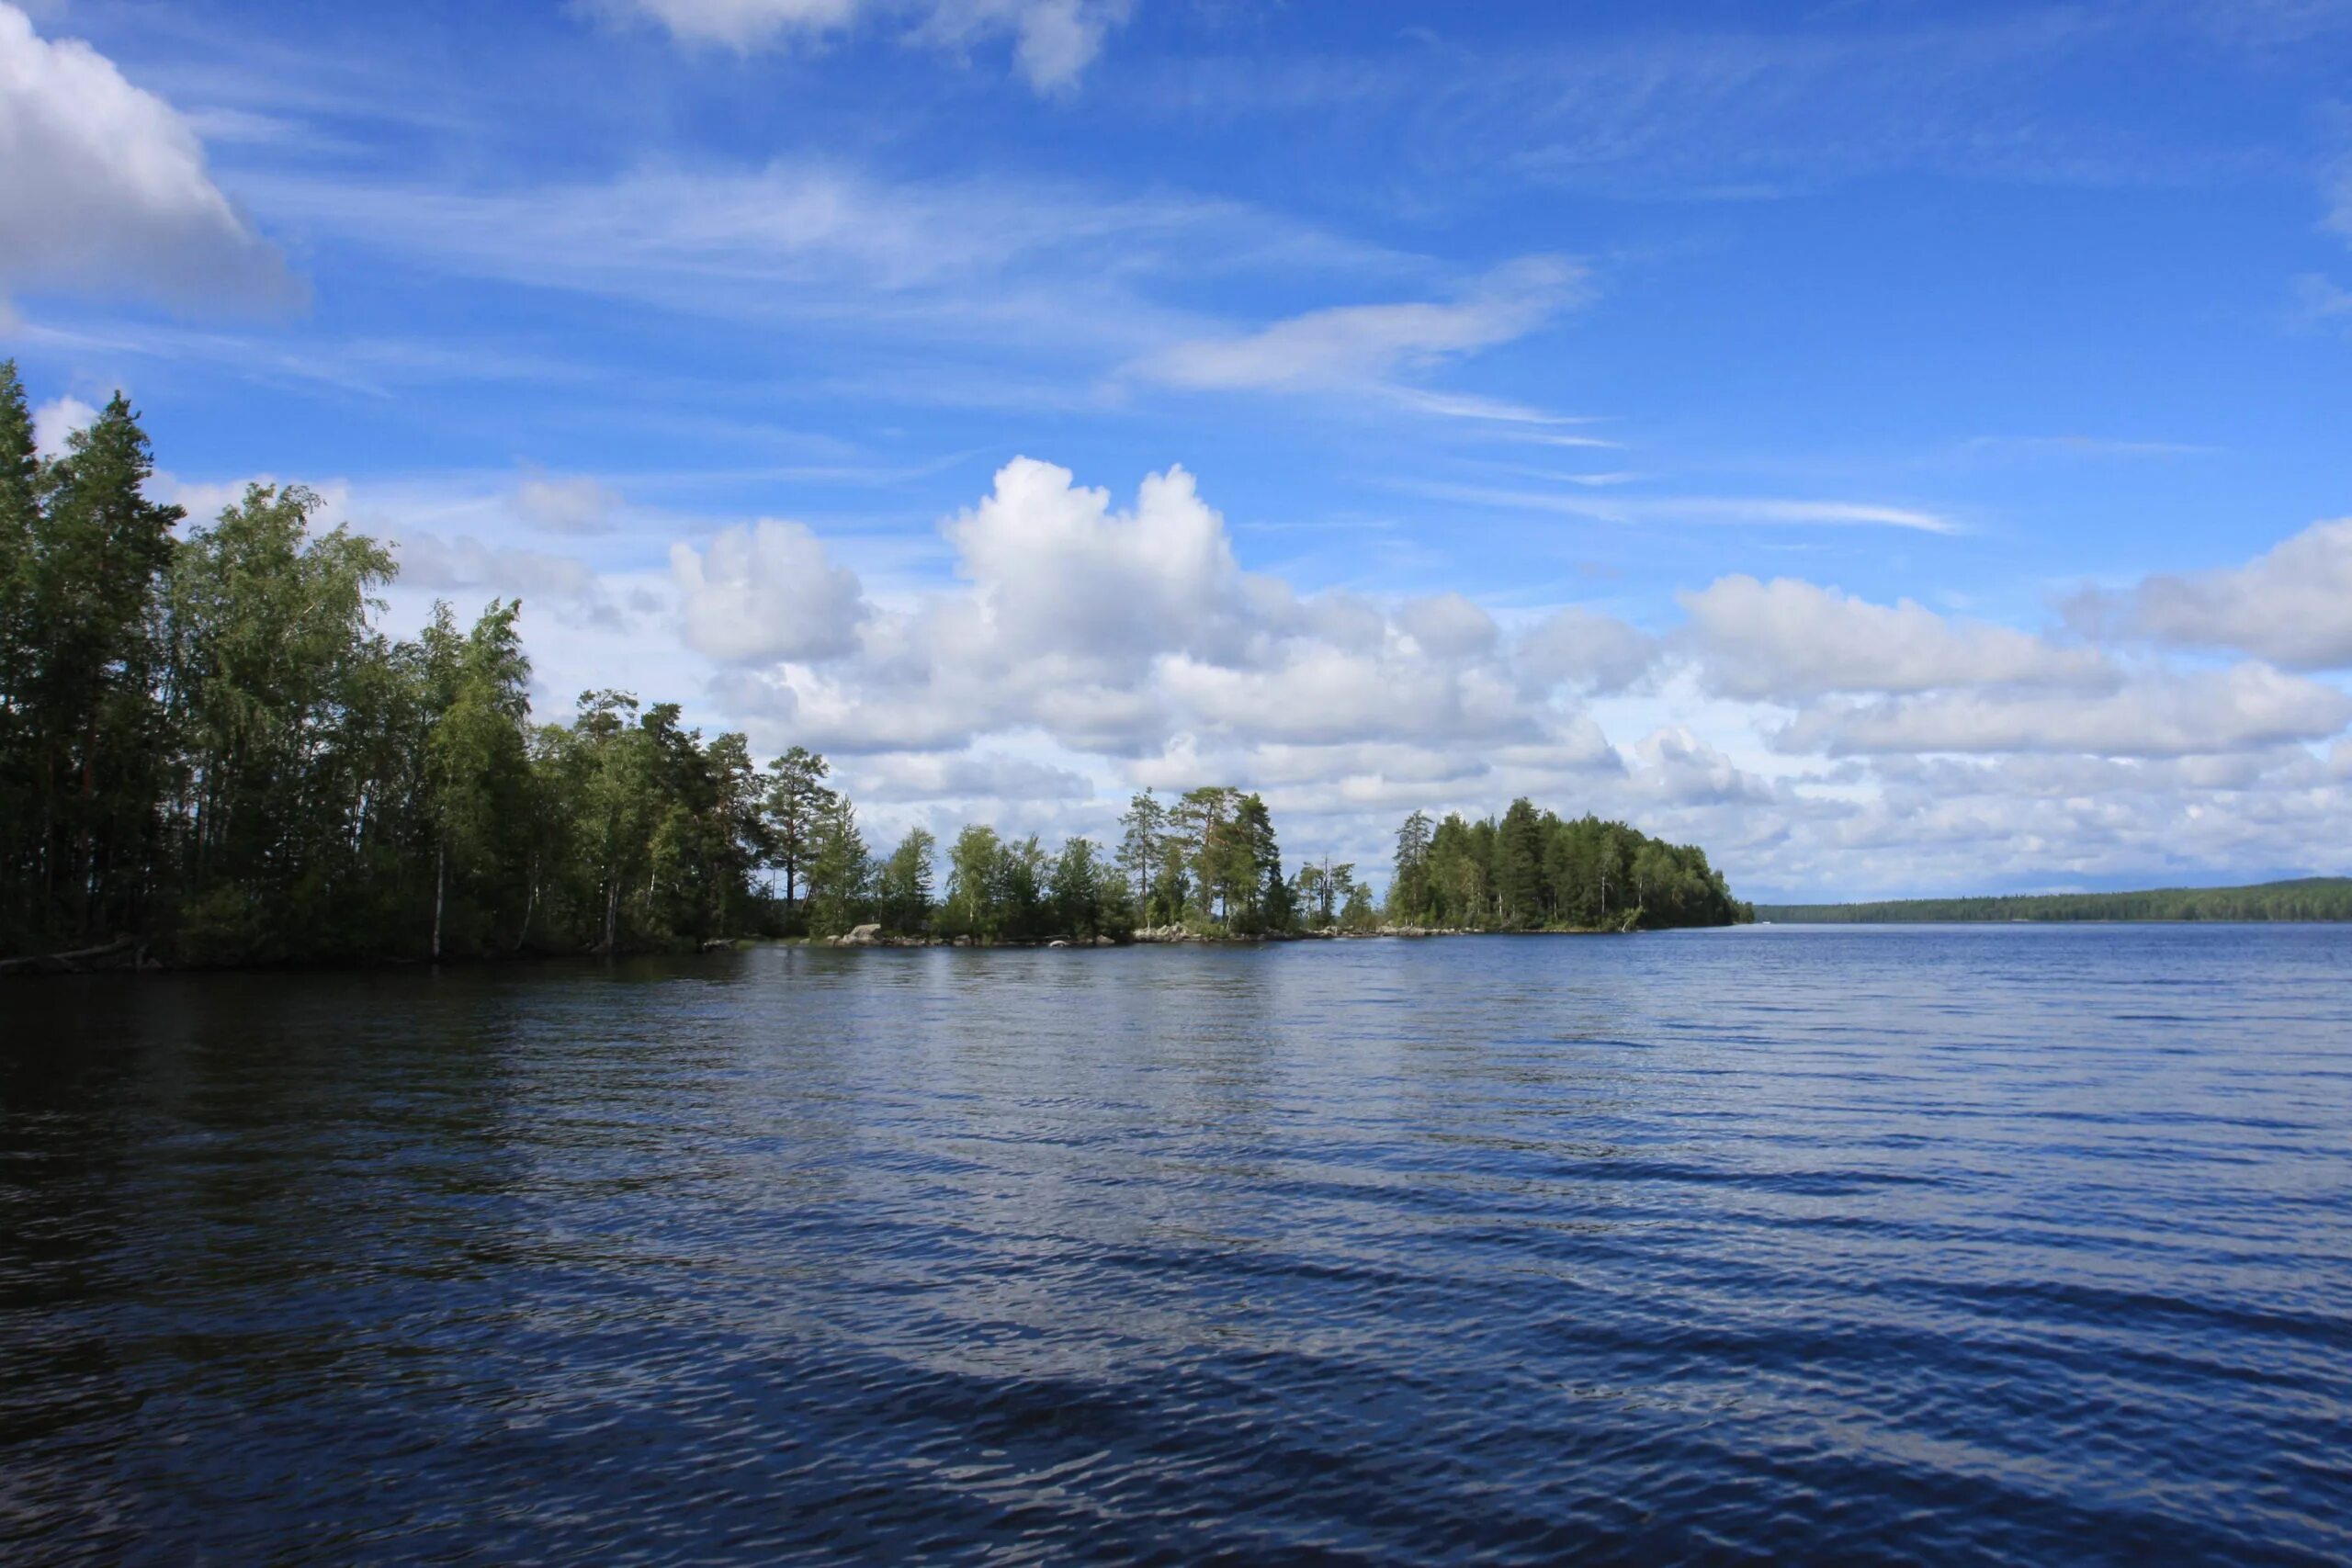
1065, 273
1366, 347
1053, 41
1719, 509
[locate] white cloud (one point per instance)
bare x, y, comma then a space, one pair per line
2160, 715
1315, 694
455, 563
1055, 570
1447, 626
57, 419
1728, 510
2292, 605
767, 592
1044, 275
742, 25
1789, 639
982, 775
1360, 346
1052, 41
1586, 652
575, 506
103, 188
1115, 632
1673, 765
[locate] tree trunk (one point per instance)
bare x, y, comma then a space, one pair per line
440, 885
85, 870
530, 905
612, 910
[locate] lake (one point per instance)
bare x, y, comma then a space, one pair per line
2012, 1244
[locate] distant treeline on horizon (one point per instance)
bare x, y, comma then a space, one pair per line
210, 753
2303, 898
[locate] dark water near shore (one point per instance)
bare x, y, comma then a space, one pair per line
2023, 1244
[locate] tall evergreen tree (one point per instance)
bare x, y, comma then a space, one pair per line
101, 550
20, 641
903, 885
1144, 829
797, 804
1519, 866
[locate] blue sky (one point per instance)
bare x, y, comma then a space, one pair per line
1896, 445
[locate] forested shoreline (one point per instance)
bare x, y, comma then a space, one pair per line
210, 753
2302, 899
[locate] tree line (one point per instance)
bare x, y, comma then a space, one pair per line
2304, 898
209, 746
1532, 870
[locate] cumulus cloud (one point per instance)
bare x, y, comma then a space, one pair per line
2156, 715
1447, 626
454, 563
1135, 633
1055, 570
1673, 764
103, 186
764, 591
57, 419
1584, 651
2292, 605
1361, 346
1316, 693
1052, 41
1789, 639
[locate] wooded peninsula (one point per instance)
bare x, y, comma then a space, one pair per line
209, 754
2304, 898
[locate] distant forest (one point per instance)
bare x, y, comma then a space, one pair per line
2307, 899
210, 754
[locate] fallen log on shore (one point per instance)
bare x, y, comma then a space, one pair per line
75, 963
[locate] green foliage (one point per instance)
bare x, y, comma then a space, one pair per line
1531, 871
841, 873
207, 743
1087, 896
87, 728
796, 806
2305, 898
902, 893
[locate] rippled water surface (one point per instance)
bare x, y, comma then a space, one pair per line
2027, 1244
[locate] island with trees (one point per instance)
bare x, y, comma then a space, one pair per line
210, 754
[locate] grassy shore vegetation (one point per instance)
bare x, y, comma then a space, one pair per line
2305, 898
211, 752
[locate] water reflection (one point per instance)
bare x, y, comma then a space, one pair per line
2010, 1244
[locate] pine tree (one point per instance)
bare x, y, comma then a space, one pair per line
797, 803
